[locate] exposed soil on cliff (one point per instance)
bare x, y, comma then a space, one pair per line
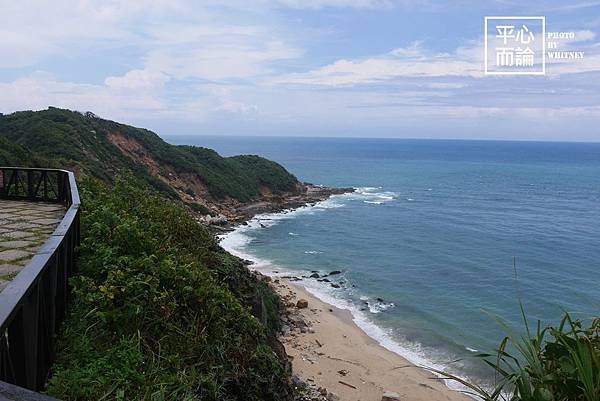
221, 212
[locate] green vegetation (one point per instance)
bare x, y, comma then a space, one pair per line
556, 363
102, 149
12, 154
239, 177
161, 312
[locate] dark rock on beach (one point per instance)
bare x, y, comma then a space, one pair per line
302, 303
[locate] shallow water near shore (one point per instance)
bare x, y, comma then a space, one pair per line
426, 243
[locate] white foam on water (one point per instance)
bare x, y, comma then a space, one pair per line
372, 194
411, 351
376, 306
238, 240
379, 307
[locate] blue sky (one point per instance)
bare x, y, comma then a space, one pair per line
370, 68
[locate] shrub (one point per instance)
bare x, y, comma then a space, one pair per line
153, 315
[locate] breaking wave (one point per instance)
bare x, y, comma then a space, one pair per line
238, 241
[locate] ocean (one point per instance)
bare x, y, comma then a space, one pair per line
426, 244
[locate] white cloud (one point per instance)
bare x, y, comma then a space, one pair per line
220, 57
573, 6
41, 90
415, 61
179, 38
226, 101
317, 4
138, 79
411, 61
32, 30
222, 61
583, 36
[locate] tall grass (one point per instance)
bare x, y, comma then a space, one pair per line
553, 363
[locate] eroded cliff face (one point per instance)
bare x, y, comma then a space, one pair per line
189, 187
192, 190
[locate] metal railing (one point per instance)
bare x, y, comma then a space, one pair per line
33, 184
34, 303
10, 392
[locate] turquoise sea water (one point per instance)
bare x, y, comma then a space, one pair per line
432, 231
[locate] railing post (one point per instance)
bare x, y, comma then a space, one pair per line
44, 181
31, 329
16, 350
11, 181
2, 182
30, 185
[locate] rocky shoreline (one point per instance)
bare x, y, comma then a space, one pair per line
228, 214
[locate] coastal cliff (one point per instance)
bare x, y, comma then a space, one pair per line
225, 188
159, 309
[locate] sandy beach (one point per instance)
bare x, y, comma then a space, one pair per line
329, 352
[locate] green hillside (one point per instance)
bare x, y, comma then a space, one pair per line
12, 154
158, 311
161, 312
100, 148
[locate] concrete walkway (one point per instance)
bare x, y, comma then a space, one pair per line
24, 227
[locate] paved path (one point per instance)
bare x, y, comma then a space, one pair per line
24, 227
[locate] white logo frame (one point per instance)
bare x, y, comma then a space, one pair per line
485, 55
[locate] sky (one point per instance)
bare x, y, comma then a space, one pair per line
365, 68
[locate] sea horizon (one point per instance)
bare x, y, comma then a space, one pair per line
173, 138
